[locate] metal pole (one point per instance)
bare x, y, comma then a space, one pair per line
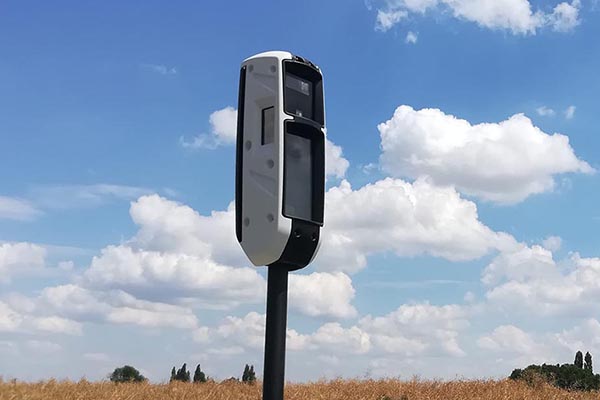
274, 367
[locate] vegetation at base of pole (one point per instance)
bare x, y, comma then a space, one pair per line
576, 376
126, 373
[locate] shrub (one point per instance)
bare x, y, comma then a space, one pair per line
126, 374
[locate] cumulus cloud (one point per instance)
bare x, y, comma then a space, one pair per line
197, 244
528, 279
223, 125
508, 338
248, 333
502, 162
173, 276
14, 320
335, 164
392, 215
415, 329
20, 258
322, 293
586, 335
397, 216
111, 306
552, 243
411, 330
513, 346
565, 16
515, 16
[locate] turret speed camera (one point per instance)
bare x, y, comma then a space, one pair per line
280, 159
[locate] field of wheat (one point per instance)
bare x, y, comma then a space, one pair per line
337, 389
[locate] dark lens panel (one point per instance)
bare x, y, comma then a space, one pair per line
298, 177
298, 96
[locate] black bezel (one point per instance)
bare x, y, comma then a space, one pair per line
317, 141
310, 73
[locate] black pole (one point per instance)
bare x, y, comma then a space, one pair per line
274, 367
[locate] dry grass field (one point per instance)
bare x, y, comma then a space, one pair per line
337, 389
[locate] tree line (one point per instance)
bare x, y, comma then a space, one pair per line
128, 373
577, 376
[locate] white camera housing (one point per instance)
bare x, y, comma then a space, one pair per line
280, 159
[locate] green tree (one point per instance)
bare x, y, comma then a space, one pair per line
173, 375
199, 376
588, 362
182, 374
578, 359
126, 374
245, 374
251, 375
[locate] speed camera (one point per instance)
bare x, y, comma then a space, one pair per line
280, 159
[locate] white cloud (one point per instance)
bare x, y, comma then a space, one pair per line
168, 226
516, 347
515, 16
223, 127
224, 124
17, 209
552, 243
415, 329
10, 320
565, 16
411, 38
335, 164
154, 318
545, 111
333, 338
174, 276
14, 320
570, 112
161, 69
502, 162
20, 258
508, 338
585, 336
57, 325
72, 301
248, 332
404, 218
387, 19
181, 257
322, 294
112, 306
528, 280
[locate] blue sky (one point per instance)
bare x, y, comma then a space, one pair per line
460, 232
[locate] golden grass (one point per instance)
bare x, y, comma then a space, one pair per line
389, 389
